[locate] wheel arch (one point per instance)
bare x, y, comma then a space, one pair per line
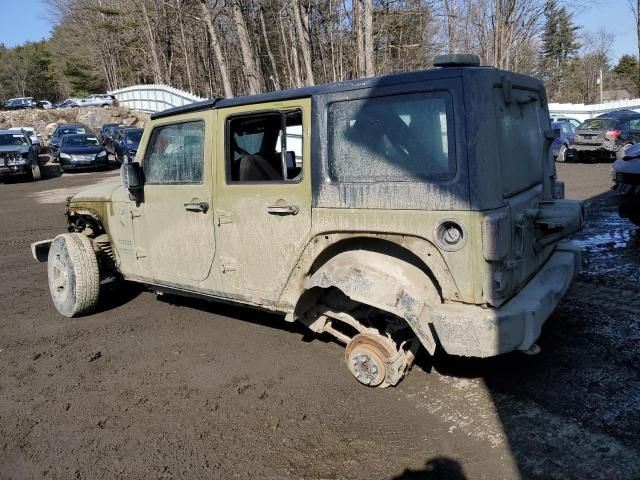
377, 271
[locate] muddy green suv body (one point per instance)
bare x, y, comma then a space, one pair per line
406, 210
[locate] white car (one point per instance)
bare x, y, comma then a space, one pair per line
36, 139
97, 100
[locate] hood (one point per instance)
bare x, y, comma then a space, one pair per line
89, 150
98, 193
14, 148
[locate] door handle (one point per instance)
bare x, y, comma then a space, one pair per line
283, 209
197, 207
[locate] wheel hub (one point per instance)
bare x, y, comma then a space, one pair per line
367, 356
59, 278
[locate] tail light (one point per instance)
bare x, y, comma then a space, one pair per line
612, 134
496, 236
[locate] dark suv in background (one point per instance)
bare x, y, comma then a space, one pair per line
607, 136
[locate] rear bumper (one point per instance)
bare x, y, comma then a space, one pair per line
473, 331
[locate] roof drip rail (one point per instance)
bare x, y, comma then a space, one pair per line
191, 107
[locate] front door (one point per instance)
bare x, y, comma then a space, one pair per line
262, 196
173, 225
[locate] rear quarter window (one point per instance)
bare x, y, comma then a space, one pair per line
397, 138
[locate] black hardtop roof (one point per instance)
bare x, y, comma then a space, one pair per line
386, 80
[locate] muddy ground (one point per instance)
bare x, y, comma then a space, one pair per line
178, 388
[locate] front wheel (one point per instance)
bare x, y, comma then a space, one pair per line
74, 277
35, 172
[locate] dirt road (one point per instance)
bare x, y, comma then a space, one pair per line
171, 388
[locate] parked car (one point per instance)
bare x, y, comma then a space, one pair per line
82, 150
105, 130
64, 129
575, 123
19, 103
36, 140
44, 104
625, 174
17, 155
110, 143
394, 230
98, 100
607, 136
561, 145
68, 103
126, 144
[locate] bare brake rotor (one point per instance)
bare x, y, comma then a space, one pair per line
374, 360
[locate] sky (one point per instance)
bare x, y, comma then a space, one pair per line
27, 20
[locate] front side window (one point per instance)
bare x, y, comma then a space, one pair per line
175, 154
396, 138
258, 151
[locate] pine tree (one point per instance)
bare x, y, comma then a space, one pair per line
559, 44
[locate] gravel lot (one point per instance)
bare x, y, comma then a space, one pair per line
177, 388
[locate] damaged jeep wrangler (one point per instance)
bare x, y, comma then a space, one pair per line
417, 209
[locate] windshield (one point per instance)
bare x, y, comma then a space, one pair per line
70, 131
133, 138
80, 141
597, 124
8, 139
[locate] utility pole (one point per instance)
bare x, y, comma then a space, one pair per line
600, 83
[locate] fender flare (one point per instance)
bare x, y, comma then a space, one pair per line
385, 282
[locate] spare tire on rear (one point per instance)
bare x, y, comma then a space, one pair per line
74, 277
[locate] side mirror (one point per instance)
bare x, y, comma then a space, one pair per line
131, 175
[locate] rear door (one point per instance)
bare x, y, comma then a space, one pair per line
262, 195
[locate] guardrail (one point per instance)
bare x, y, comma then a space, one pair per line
582, 112
153, 98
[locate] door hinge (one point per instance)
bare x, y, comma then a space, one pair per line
228, 267
135, 214
223, 217
140, 253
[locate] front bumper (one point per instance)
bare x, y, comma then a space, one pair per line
473, 331
77, 165
14, 170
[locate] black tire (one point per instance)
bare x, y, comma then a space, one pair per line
622, 150
562, 154
35, 173
74, 277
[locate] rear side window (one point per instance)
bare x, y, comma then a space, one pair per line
175, 154
392, 139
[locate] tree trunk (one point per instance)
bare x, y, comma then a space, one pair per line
303, 37
183, 40
217, 51
155, 62
252, 72
638, 39
274, 67
369, 69
357, 19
